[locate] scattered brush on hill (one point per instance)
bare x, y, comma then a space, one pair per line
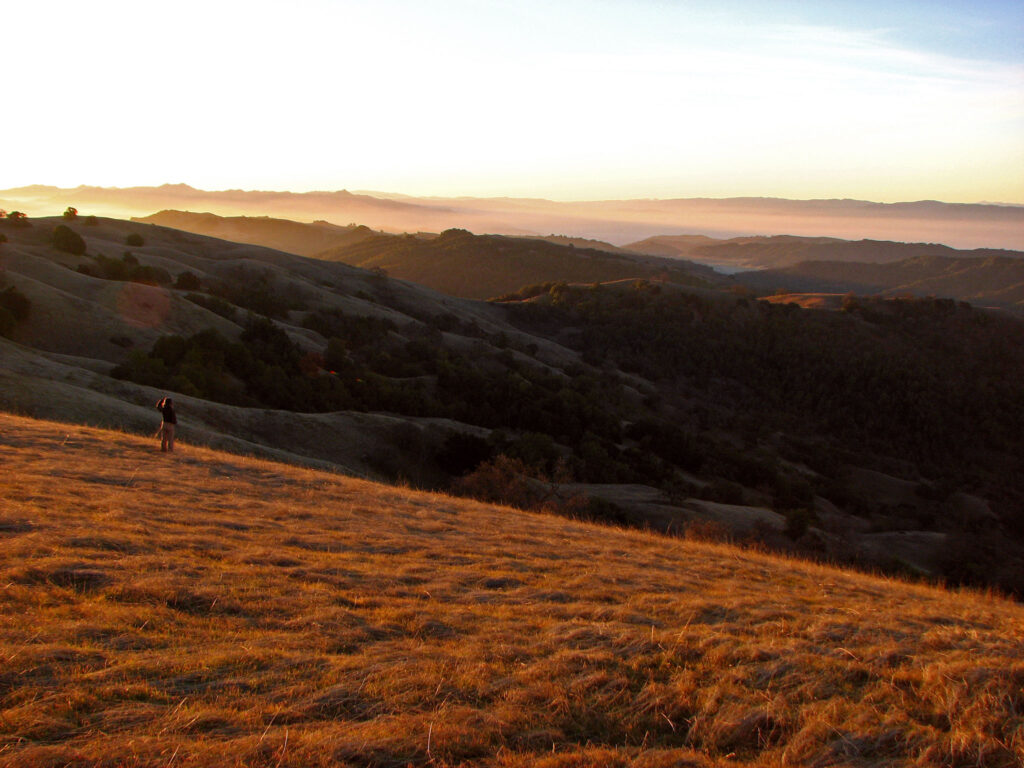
202, 609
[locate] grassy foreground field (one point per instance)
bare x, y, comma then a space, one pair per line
200, 608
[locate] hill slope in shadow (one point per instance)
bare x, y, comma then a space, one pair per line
200, 607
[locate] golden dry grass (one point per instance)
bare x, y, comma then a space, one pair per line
207, 609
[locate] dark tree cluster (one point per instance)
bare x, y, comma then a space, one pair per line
125, 269
66, 239
14, 308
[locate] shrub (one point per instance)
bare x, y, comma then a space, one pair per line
3, 237
723, 491
150, 275
707, 530
798, 521
71, 213
91, 221
215, 304
255, 292
66, 239
501, 481
187, 281
135, 240
15, 302
462, 453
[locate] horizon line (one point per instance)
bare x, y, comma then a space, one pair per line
377, 193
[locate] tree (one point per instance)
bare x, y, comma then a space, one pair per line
18, 218
14, 307
135, 240
71, 213
66, 239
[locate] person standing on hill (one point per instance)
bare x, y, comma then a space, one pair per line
166, 431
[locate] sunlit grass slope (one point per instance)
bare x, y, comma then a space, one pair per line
200, 608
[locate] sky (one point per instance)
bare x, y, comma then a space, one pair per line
563, 99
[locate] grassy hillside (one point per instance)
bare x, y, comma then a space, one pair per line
484, 266
199, 608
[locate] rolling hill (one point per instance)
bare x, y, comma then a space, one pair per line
889, 436
484, 266
781, 251
279, 234
203, 608
984, 281
458, 263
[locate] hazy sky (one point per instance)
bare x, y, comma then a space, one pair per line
568, 99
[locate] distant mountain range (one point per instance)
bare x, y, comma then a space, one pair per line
614, 221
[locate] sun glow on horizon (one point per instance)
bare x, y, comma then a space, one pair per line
569, 102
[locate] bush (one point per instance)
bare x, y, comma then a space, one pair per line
462, 453
71, 213
135, 240
501, 481
798, 521
255, 292
215, 304
187, 281
707, 530
66, 239
16, 303
150, 275
3, 237
127, 268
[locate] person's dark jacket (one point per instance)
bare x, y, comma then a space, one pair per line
167, 409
